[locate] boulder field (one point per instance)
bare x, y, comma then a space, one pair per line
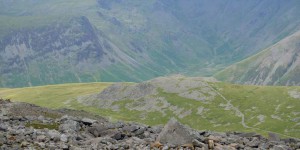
27, 126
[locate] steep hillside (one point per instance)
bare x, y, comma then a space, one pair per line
198, 102
277, 65
48, 42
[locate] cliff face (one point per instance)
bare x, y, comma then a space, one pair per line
50, 54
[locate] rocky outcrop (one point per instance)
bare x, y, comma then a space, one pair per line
147, 96
64, 131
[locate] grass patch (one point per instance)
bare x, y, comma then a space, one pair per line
268, 101
40, 125
52, 96
208, 120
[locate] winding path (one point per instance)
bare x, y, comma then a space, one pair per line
240, 114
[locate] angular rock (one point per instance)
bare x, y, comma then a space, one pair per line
155, 129
175, 133
118, 136
30, 118
67, 117
138, 140
64, 138
41, 138
69, 126
254, 143
97, 131
52, 146
107, 140
54, 135
196, 143
215, 138
3, 127
88, 121
41, 145
64, 146
41, 118
280, 147
130, 128
24, 144
274, 137
140, 131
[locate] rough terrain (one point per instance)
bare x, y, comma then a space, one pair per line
202, 104
146, 95
26, 126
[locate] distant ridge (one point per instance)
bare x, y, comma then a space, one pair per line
133, 41
277, 65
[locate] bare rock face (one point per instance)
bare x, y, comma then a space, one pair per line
174, 133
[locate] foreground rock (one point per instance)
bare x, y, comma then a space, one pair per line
41, 128
176, 134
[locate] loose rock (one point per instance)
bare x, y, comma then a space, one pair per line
81, 132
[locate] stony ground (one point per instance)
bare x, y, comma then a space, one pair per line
26, 126
146, 95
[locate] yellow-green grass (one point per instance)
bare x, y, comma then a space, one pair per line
40, 125
269, 101
52, 96
252, 101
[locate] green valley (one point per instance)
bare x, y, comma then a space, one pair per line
53, 42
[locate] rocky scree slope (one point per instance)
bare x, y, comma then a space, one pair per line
277, 65
117, 40
26, 126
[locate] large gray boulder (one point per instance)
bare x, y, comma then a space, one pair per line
69, 126
54, 135
98, 130
88, 121
174, 133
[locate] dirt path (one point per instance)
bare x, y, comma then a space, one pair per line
237, 111
240, 114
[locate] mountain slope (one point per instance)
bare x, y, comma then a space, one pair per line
71, 129
49, 42
277, 65
197, 102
